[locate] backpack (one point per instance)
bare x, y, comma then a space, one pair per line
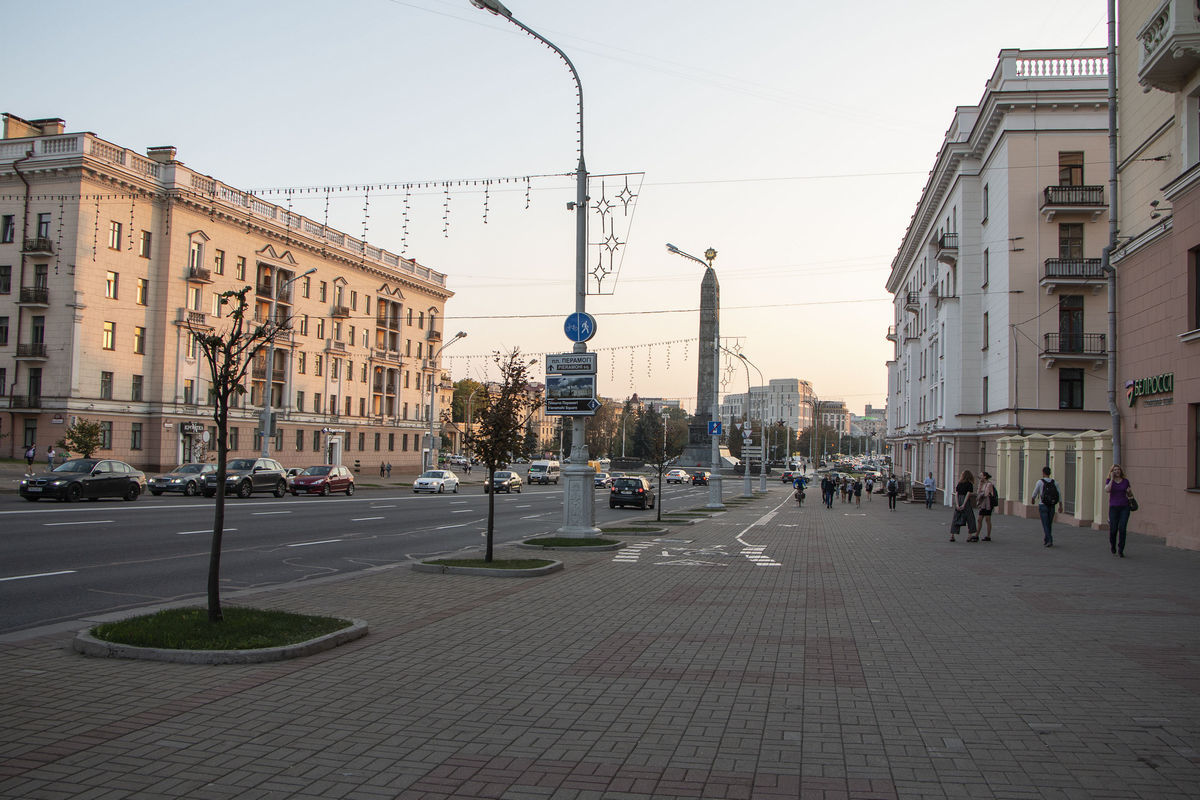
891, 485
1050, 494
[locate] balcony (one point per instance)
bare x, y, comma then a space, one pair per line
192, 319
264, 289
38, 246
34, 296
1073, 200
434, 335
25, 401
1074, 348
891, 333
199, 274
340, 311
1072, 273
947, 249
32, 352
912, 303
335, 346
1169, 46
390, 356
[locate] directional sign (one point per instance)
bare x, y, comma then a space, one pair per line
714, 427
570, 363
571, 395
572, 407
580, 326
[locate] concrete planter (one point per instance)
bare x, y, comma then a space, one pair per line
488, 572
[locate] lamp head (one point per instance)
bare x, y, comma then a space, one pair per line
494, 6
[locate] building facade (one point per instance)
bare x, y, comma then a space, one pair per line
999, 303
786, 400
111, 262
1157, 264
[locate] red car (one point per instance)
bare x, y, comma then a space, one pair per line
323, 479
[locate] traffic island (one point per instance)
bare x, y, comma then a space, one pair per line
635, 529
567, 543
498, 568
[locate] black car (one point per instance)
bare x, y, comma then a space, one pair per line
186, 478
504, 481
245, 476
85, 477
631, 491
700, 477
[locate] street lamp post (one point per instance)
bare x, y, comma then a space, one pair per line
579, 504
433, 370
762, 424
747, 488
264, 422
714, 478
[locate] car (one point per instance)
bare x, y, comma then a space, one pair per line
700, 477
601, 480
504, 480
245, 476
678, 476
790, 475
187, 479
544, 472
436, 481
323, 479
92, 478
290, 475
630, 491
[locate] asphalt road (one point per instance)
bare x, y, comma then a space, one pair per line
60, 561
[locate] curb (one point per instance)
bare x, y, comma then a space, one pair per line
581, 548
88, 645
444, 569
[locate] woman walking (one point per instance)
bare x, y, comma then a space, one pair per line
964, 498
987, 503
1119, 495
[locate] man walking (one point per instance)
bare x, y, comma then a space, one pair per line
930, 490
1046, 490
892, 490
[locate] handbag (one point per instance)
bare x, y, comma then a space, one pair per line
1133, 504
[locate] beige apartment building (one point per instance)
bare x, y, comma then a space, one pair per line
999, 299
1157, 264
110, 261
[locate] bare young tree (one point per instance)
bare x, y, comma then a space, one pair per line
229, 355
502, 411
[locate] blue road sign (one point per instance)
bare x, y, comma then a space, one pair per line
580, 326
714, 428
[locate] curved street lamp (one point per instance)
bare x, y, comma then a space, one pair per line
433, 370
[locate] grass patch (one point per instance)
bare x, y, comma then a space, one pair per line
565, 541
242, 629
499, 563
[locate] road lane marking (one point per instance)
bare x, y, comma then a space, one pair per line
527, 505
393, 505
81, 522
462, 511
444, 527
267, 513
38, 575
207, 530
307, 544
535, 516
364, 519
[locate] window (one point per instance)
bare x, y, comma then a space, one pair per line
362, 441
139, 340
1070, 169
233, 438
219, 262
189, 391
111, 285
410, 316
986, 266
1070, 240
363, 372
216, 304
6, 279
350, 410
316, 440
192, 347
421, 322
143, 291
109, 341
299, 440
404, 442
1194, 421
135, 436
41, 276
106, 385
1070, 323
1070, 388
8, 228
353, 304
240, 268
986, 332
135, 390
1194, 289
320, 328
106, 435
3, 331
114, 235
378, 440
195, 255
304, 325
144, 244
299, 400
317, 359
3, 381
985, 395
333, 404
322, 291
984, 218
306, 286
301, 362
43, 225
391, 442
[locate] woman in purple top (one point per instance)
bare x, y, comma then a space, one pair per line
1119, 493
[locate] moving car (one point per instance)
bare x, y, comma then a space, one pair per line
85, 477
186, 478
323, 479
436, 481
544, 472
790, 475
678, 476
504, 481
601, 480
245, 476
700, 477
629, 491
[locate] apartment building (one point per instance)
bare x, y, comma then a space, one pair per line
999, 300
111, 261
786, 400
1157, 264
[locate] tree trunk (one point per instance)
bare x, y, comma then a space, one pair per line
491, 525
214, 556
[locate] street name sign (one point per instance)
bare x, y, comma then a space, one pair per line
570, 363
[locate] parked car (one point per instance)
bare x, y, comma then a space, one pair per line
629, 491
85, 477
700, 477
323, 479
504, 481
436, 481
186, 478
290, 475
678, 476
245, 476
601, 480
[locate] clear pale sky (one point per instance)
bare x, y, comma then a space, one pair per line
793, 137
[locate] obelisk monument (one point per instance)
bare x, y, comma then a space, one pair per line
699, 449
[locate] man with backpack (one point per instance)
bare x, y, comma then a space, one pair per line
1046, 491
892, 489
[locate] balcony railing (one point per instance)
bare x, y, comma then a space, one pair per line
336, 345
1085, 344
196, 319
1081, 268
1073, 196
912, 302
25, 401
434, 335
35, 295
34, 350
200, 274
38, 245
891, 333
340, 311
948, 241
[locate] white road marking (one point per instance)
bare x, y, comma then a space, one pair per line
444, 527
38, 575
364, 519
81, 522
461, 511
527, 505
307, 544
535, 516
388, 506
267, 513
209, 530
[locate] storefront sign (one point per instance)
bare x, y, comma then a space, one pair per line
1144, 387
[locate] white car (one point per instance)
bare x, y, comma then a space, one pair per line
678, 476
437, 481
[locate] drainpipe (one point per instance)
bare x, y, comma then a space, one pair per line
12, 417
1105, 265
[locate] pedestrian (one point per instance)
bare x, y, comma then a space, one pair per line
827, 491
389, 469
1046, 491
468, 466
857, 492
987, 500
1119, 495
930, 490
870, 486
50, 458
30, 455
381, 469
892, 489
964, 500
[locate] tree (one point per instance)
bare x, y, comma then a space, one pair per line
83, 436
503, 412
463, 390
733, 440
530, 445
601, 429
229, 355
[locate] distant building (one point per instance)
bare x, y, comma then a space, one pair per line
786, 400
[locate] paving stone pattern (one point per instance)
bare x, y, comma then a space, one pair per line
871, 658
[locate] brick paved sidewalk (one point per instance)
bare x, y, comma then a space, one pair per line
844, 653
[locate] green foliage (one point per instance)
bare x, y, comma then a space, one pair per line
241, 629
83, 437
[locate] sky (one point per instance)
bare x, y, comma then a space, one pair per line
794, 138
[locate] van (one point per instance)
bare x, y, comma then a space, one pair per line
544, 472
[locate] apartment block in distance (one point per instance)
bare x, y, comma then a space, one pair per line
110, 260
